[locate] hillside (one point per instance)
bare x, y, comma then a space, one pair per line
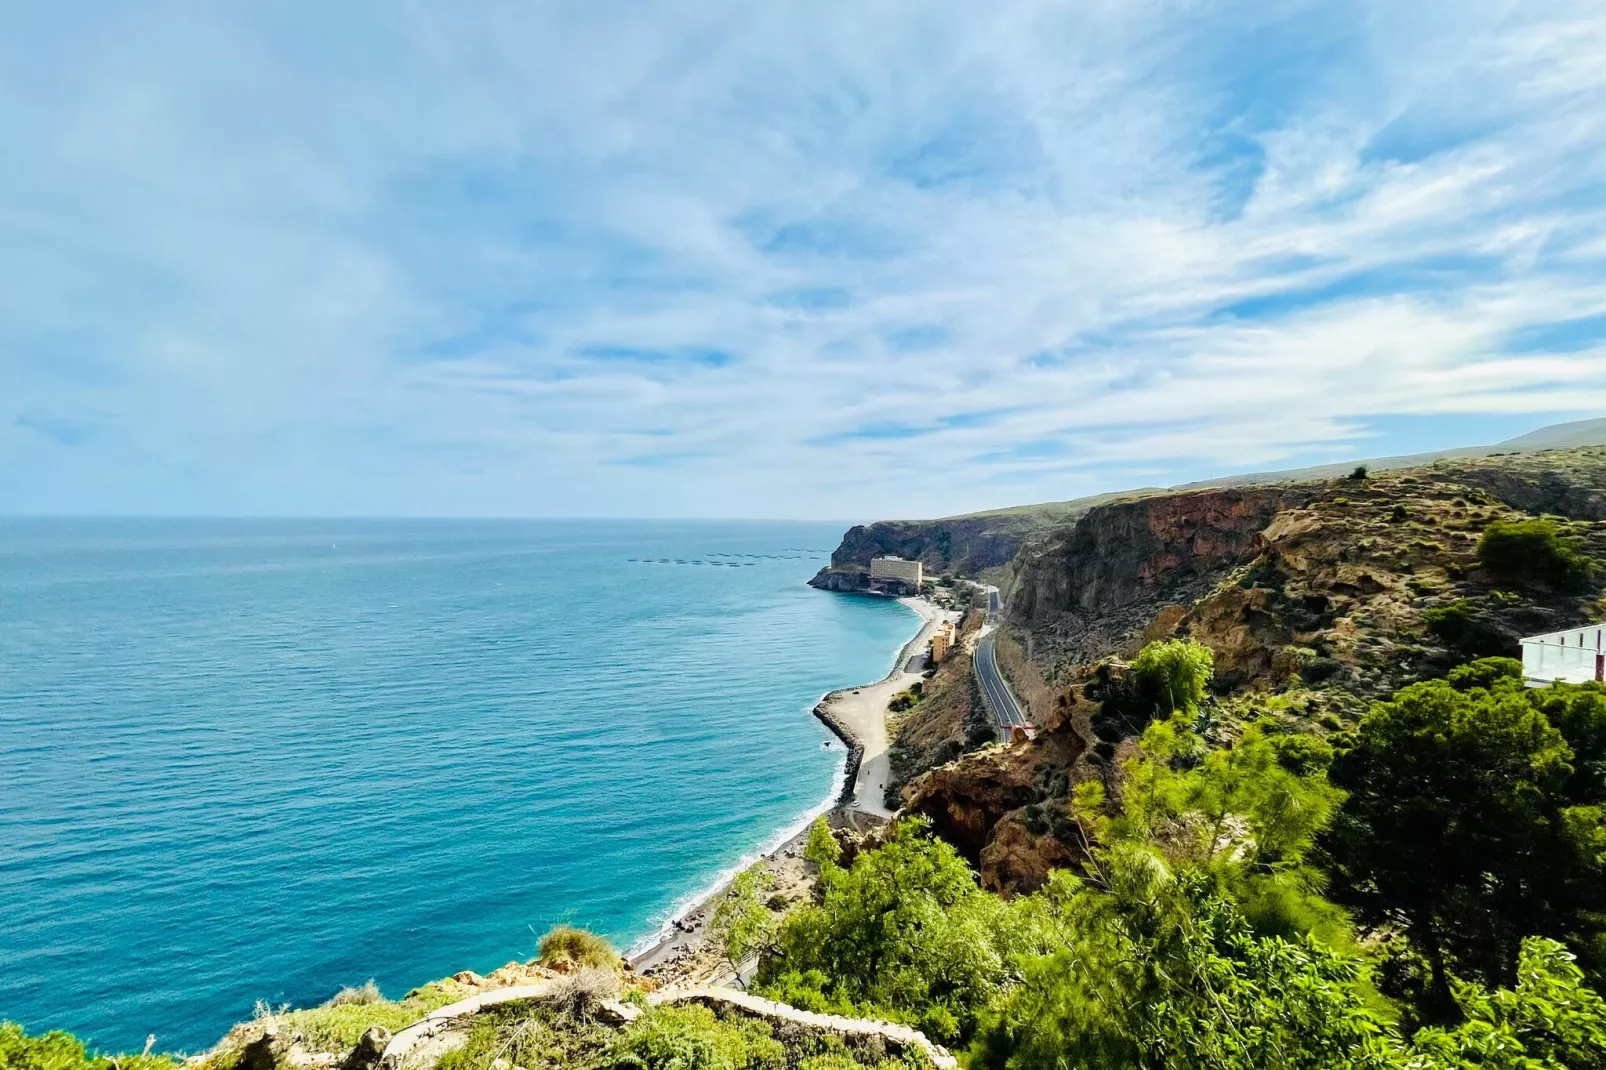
1288, 806
1326, 593
987, 542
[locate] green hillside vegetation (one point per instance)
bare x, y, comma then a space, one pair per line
1425, 891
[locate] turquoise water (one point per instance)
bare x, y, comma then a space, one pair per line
262, 760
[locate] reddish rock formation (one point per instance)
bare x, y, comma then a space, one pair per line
987, 803
1104, 579
1329, 586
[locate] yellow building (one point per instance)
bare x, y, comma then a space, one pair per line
942, 641
909, 573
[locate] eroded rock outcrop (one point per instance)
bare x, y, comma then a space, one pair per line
962, 545
1005, 807
1346, 589
1102, 580
841, 580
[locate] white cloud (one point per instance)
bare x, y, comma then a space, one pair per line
956, 256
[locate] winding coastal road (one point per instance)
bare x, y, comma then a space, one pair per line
994, 689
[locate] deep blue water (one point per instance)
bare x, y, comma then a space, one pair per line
246, 760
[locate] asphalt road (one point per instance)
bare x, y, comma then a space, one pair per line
994, 690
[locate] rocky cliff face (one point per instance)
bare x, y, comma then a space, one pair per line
964, 545
1331, 571
948, 720
1096, 583
843, 581
1004, 807
1335, 591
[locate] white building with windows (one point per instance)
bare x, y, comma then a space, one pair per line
909, 573
1573, 657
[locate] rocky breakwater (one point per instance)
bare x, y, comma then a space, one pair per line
850, 769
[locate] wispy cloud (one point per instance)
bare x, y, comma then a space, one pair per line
792, 259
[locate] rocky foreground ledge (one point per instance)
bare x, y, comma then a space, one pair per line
591, 994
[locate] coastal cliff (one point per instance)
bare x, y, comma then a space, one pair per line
1315, 600
1110, 572
965, 546
1329, 592
1349, 572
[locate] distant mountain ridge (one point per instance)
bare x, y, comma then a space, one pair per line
1590, 432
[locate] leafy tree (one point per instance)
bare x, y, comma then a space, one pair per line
903, 933
1486, 673
1534, 550
1457, 820
1550, 1021
1157, 970
1579, 714
820, 847
1173, 674
1359, 472
1246, 814
742, 925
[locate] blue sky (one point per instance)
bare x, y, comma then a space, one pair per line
786, 259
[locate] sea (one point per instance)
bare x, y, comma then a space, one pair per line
253, 760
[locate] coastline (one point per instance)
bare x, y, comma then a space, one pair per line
851, 714
858, 716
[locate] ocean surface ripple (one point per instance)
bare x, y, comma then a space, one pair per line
260, 760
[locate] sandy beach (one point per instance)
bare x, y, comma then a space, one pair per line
685, 953
863, 711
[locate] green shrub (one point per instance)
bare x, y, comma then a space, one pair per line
58, 1050
1173, 674
1466, 633
1160, 971
566, 947
821, 847
742, 924
536, 1037
692, 1038
1359, 472
1550, 1019
1319, 670
903, 700
360, 995
1485, 673
904, 933
1534, 551
336, 1026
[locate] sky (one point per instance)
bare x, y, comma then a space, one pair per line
691, 258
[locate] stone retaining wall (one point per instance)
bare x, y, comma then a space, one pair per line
897, 1036
434, 1025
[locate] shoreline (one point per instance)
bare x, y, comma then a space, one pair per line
858, 715
685, 932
